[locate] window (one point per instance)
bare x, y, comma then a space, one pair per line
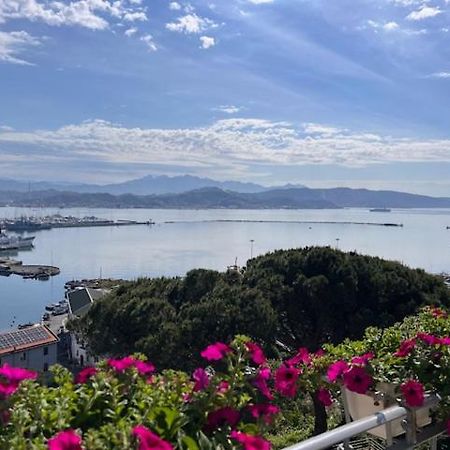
45, 367
45, 351
24, 356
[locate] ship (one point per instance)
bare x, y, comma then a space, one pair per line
10, 242
380, 210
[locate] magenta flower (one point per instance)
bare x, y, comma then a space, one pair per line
221, 417
428, 339
413, 392
223, 387
324, 397
120, 365
260, 382
201, 379
264, 411
65, 440
302, 357
256, 353
363, 359
286, 381
16, 374
406, 347
215, 352
357, 380
445, 341
150, 441
438, 312
144, 367
250, 442
84, 375
321, 352
336, 370
8, 389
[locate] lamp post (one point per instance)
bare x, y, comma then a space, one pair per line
337, 243
251, 248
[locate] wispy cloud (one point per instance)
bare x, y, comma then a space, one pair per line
15, 43
424, 13
440, 75
191, 24
149, 42
228, 109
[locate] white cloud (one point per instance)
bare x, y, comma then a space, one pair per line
207, 42
14, 43
191, 23
424, 13
386, 26
260, 2
130, 31
225, 143
440, 75
389, 26
228, 109
92, 14
175, 6
149, 42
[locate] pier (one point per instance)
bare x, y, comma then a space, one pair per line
37, 272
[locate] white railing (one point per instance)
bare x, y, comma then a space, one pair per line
412, 438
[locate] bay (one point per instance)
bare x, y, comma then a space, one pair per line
185, 239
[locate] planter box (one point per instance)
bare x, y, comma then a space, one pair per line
360, 406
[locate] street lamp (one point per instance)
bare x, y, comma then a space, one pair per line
251, 248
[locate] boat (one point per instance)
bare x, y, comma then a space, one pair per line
380, 210
12, 242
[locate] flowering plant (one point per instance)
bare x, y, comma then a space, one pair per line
123, 403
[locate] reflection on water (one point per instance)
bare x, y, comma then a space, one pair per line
174, 248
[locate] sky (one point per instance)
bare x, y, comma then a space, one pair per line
318, 92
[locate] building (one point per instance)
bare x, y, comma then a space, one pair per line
33, 348
80, 301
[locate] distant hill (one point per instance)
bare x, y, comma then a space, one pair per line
294, 198
147, 185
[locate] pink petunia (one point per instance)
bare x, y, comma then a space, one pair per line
428, 339
357, 380
286, 381
264, 411
223, 416
215, 352
8, 389
302, 357
17, 374
414, 393
336, 370
120, 365
144, 367
149, 440
363, 359
260, 382
256, 353
223, 387
324, 397
250, 442
84, 375
445, 341
201, 379
65, 440
406, 347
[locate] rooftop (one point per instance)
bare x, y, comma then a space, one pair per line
19, 340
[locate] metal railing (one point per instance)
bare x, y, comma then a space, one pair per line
412, 438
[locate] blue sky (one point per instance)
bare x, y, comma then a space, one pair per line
320, 92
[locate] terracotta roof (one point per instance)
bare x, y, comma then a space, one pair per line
25, 339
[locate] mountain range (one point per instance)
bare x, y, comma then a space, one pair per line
213, 197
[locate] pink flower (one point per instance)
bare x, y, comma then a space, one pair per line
201, 379
16, 374
8, 389
150, 441
406, 347
286, 381
144, 367
336, 370
357, 380
260, 382
265, 411
256, 353
445, 341
120, 365
215, 352
321, 352
84, 375
438, 312
250, 442
302, 356
223, 416
429, 339
324, 397
363, 359
65, 440
223, 387
413, 392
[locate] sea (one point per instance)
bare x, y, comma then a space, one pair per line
181, 240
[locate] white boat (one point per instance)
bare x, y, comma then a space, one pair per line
12, 242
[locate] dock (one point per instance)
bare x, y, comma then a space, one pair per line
37, 272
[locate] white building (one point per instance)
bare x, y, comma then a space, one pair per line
80, 301
33, 348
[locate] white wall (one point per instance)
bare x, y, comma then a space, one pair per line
33, 359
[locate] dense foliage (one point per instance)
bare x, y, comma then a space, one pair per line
301, 297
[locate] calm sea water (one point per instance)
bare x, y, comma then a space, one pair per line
195, 240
